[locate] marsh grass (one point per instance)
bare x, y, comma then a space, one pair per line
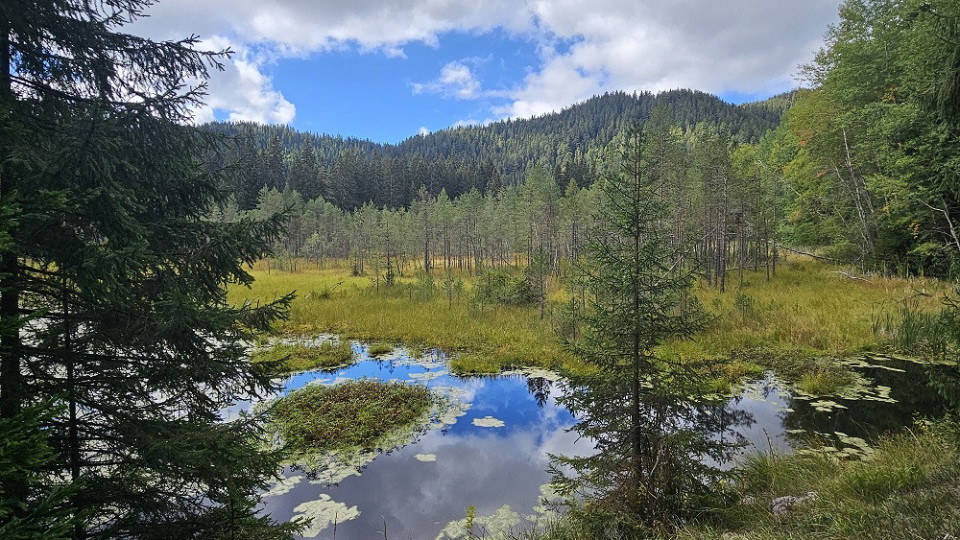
379, 349
907, 489
358, 413
807, 309
415, 311
284, 358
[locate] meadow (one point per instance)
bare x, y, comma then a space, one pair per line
805, 317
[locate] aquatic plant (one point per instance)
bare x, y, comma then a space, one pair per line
282, 357
351, 414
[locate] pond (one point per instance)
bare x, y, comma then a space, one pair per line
488, 452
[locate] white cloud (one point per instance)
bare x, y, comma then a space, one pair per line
748, 46
455, 80
242, 91
423, 131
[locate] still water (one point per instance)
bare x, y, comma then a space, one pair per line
487, 451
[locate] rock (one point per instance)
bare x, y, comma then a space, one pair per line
782, 506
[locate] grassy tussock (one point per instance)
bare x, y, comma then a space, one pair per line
907, 489
352, 414
379, 349
293, 358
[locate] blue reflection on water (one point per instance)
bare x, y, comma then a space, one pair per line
483, 467
488, 467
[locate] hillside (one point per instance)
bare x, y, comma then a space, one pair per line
569, 143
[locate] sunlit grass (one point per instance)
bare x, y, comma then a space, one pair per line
292, 358
808, 309
412, 313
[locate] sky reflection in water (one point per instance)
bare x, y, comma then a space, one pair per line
417, 490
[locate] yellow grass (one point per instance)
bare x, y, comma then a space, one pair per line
809, 308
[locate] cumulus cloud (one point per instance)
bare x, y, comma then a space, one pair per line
747, 46
455, 80
750, 46
241, 91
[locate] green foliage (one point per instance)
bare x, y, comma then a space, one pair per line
25, 454
351, 172
284, 358
905, 489
870, 153
352, 414
112, 283
379, 349
650, 424
502, 287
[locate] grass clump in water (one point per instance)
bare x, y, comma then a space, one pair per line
352, 414
810, 373
379, 349
295, 357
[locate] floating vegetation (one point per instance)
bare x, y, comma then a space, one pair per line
323, 513
488, 422
283, 357
426, 458
536, 373
870, 362
503, 521
825, 405
282, 486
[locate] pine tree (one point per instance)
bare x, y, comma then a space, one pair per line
644, 414
112, 282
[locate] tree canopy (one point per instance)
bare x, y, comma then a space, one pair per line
113, 315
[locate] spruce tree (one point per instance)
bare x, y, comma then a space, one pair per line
112, 284
646, 415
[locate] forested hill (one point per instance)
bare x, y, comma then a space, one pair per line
350, 172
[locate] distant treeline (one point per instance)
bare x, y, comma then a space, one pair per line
569, 145
724, 206
862, 168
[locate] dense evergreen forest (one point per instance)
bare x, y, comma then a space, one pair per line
570, 145
862, 167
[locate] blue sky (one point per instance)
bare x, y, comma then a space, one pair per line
386, 70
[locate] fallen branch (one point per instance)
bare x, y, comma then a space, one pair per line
851, 276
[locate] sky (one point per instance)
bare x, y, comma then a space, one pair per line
386, 70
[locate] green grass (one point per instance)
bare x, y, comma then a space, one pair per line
808, 309
379, 349
808, 305
414, 314
908, 489
293, 358
320, 418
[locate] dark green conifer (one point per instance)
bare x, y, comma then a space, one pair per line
112, 282
647, 417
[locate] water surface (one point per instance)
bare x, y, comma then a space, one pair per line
493, 450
